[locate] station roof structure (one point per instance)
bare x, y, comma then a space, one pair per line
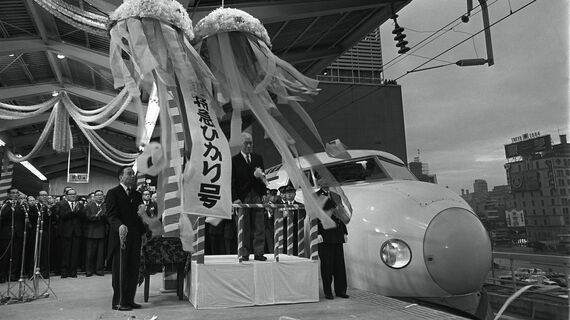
310, 34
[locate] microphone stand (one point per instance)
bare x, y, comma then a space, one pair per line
9, 293
37, 258
22, 281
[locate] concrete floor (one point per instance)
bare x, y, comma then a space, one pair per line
90, 298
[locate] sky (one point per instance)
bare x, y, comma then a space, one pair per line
461, 117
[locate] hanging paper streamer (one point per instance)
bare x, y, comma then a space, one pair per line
154, 35
249, 74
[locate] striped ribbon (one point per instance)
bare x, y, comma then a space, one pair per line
278, 233
6, 179
199, 241
241, 249
290, 233
172, 203
314, 235
301, 235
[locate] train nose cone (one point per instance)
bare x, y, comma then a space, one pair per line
457, 251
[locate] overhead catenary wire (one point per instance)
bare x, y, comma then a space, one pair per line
415, 48
431, 59
466, 39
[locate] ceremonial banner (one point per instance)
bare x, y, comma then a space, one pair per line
206, 188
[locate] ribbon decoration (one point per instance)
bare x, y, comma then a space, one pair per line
249, 75
155, 37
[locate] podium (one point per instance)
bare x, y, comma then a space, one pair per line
223, 282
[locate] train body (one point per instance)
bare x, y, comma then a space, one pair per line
406, 238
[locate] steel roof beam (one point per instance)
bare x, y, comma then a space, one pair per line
73, 52
270, 12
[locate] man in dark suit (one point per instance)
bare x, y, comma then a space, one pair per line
125, 237
95, 235
12, 224
71, 216
248, 186
331, 252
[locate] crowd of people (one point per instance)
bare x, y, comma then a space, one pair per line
102, 232
72, 234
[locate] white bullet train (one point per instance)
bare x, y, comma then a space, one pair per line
406, 238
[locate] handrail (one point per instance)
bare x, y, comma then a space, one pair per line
278, 236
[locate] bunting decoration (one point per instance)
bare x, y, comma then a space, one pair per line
62, 111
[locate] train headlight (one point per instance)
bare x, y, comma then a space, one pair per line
395, 253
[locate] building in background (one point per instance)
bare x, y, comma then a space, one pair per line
480, 186
421, 170
538, 173
490, 207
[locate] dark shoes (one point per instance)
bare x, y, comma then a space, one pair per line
135, 305
329, 296
245, 258
260, 257
123, 308
343, 295
89, 274
99, 274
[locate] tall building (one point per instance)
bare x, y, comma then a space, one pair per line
360, 64
480, 186
421, 170
539, 176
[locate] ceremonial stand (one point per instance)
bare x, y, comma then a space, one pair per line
283, 278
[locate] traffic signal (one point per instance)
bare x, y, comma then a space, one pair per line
400, 36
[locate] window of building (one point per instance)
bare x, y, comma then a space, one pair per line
533, 212
536, 164
565, 211
563, 191
542, 202
543, 212
560, 173
561, 182
567, 171
553, 201
519, 166
553, 210
532, 203
524, 204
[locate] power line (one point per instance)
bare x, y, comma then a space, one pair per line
432, 59
415, 48
468, 38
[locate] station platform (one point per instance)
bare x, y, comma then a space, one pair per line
90, 298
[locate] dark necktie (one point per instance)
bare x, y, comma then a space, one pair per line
128, 191
248, 157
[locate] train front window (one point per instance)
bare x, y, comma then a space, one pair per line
363, 169
396, 171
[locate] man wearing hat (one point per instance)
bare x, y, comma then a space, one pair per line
297, 215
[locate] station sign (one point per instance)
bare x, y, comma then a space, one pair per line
78, 178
